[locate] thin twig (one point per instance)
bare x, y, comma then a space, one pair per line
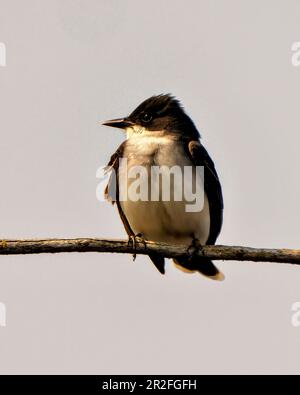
218, 252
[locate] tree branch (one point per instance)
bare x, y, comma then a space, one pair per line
218, 252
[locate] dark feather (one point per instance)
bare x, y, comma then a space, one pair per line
159, 262
213, 190
212, 186
201, 265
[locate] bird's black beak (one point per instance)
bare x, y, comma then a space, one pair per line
121, 123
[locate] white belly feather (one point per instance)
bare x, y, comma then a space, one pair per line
164, 221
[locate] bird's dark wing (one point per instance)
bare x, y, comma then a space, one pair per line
212, 186
111, 192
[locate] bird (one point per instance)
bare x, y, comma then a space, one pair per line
160, 134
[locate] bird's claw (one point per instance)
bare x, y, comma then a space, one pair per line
133, 240
194, 248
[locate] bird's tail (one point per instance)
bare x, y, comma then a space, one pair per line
201, 265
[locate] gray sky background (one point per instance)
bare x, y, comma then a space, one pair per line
71, 63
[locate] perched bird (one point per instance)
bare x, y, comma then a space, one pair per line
160, 133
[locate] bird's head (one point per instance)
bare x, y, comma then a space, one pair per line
158, 115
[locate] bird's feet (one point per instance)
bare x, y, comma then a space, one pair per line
134, 239
194, 248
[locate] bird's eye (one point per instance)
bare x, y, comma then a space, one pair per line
146, 117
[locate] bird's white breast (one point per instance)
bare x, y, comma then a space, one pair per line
165, 221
